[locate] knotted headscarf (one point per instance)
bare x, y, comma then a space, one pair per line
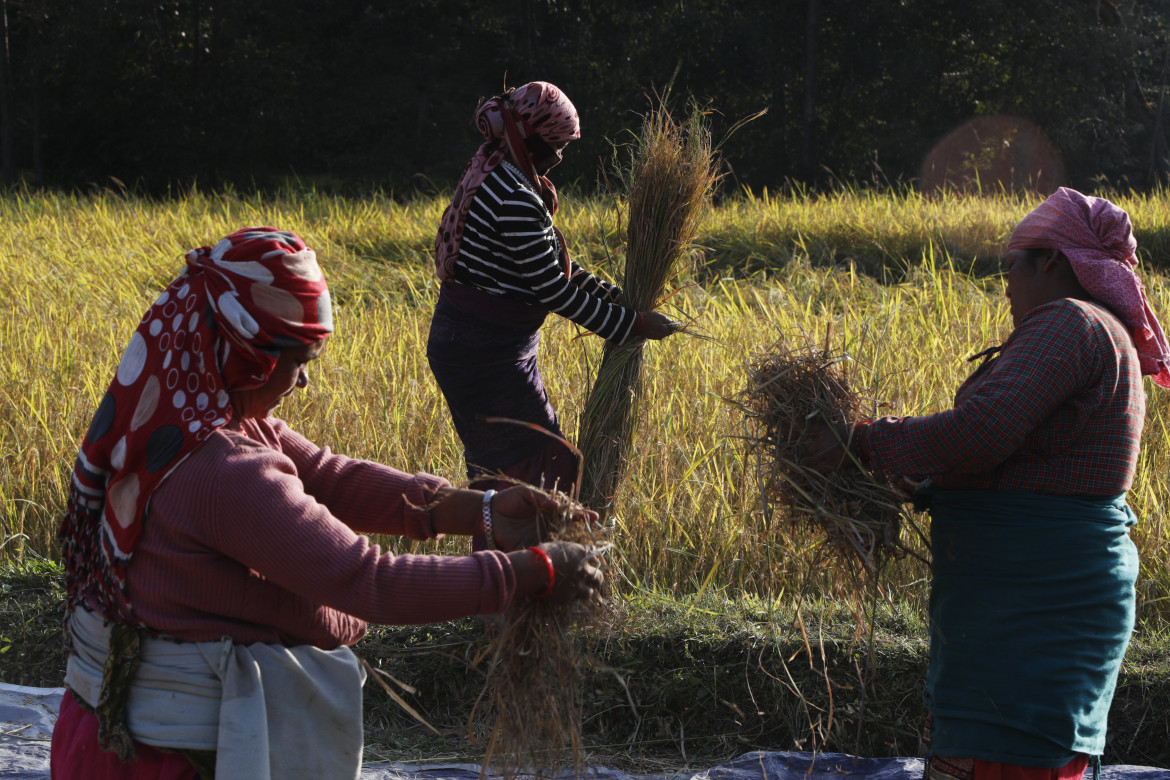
1097, 238
537, 109
218, 327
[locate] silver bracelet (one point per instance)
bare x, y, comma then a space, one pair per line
487, 519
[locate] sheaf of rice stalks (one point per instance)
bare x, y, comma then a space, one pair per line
538, 663
859, 511
668, 182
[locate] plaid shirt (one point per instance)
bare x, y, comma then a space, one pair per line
1058, 411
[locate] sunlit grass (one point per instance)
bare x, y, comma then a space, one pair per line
77, 272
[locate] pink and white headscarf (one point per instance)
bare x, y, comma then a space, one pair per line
218, 327
535, 109
1097, 238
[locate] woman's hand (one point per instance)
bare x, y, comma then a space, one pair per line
655, 325
824, 450
575, 575
905, 487
516, 514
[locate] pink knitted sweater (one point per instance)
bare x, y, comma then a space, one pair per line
253, 537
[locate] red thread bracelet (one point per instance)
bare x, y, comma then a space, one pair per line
552, 572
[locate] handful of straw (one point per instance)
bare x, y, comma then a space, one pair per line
538, 666
668, 182
859, 511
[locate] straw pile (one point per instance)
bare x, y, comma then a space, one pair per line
668, 184
859, 511
537, 668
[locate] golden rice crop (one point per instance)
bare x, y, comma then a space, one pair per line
77, 271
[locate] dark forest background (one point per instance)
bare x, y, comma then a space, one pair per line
353, 95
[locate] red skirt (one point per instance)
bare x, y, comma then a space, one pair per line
940, 768
76, 754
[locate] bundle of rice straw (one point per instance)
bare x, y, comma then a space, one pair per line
537, 668
668, 184
859, 511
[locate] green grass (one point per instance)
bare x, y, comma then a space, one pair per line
904, 281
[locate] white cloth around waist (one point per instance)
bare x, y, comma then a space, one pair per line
268, 711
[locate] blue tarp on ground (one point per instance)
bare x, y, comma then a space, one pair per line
27, 716
750, 766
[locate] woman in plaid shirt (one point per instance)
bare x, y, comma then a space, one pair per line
1032, 597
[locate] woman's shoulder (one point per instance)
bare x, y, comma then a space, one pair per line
254, 449
1073, 325
504, 198
507, 184
510, 176
1071, 313
228, 469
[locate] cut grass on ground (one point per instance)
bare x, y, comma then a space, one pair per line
678, 684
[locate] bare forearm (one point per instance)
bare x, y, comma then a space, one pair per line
458, 511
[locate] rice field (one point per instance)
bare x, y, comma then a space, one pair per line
76, 272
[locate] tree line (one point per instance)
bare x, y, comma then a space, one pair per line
354, 95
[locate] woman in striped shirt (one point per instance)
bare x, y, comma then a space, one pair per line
504, 267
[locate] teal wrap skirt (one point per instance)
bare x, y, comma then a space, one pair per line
1031, 610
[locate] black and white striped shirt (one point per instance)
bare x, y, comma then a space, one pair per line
509, 248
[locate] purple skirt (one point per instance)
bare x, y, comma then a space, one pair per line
482, 350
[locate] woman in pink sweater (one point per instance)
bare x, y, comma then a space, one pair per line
216, 570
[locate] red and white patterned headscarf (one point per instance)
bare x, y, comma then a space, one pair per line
1097, 238
218, 327
535, 109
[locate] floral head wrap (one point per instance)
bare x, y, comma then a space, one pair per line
536, 110
1097, 238
218, 327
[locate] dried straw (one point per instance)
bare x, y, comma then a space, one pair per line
537, 668
668, 181
858, 510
